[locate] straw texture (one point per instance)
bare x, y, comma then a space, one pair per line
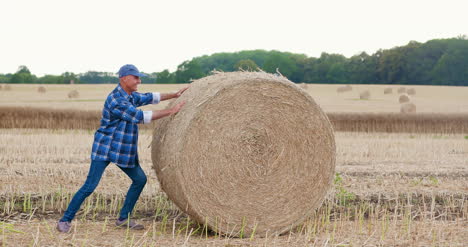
250, 152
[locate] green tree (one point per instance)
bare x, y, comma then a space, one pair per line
5, 78
452, 67
246, 64
50, 79
165, 77
281, 61
68, 77
23, 75
187, 71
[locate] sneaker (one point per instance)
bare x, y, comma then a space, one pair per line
132, 224
64, 226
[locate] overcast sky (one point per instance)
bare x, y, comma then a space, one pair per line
54, 36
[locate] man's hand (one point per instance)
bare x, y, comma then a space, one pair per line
166, 96
180, 92
166, 112
177, 107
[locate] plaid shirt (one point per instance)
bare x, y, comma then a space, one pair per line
116, 140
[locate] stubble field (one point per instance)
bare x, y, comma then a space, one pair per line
405, 189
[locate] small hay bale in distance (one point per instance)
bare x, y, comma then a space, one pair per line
73, 94
411, 91
343, 89
408, 108
248, 153
388, 90
41, 89
401, 90
364, 95
403, 98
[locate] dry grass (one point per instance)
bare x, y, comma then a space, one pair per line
400, 123
388, 90
26, 117
390, 189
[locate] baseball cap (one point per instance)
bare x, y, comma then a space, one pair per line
130, 69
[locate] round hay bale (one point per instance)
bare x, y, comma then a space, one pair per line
73, 94
248, 153
408, 108
344, 89
411, 91
364, 95
401, 90
403, 98
41, 89
7, 87
388, 90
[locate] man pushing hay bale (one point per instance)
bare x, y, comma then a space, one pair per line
250, 153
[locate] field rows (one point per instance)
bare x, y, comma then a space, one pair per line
28, 117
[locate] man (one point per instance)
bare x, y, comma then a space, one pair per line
116, 141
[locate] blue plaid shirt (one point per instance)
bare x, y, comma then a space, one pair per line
116, 140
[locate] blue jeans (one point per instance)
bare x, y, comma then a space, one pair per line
94, 176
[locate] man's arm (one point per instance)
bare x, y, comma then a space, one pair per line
153, 115
166, 96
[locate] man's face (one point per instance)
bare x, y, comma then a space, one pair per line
130, 83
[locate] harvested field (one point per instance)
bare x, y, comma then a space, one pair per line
429, 99
389, 188
401, 179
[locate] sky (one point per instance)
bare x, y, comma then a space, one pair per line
56, 36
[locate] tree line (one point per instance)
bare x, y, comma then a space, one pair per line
435, 62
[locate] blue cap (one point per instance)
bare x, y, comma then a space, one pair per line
130, 69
